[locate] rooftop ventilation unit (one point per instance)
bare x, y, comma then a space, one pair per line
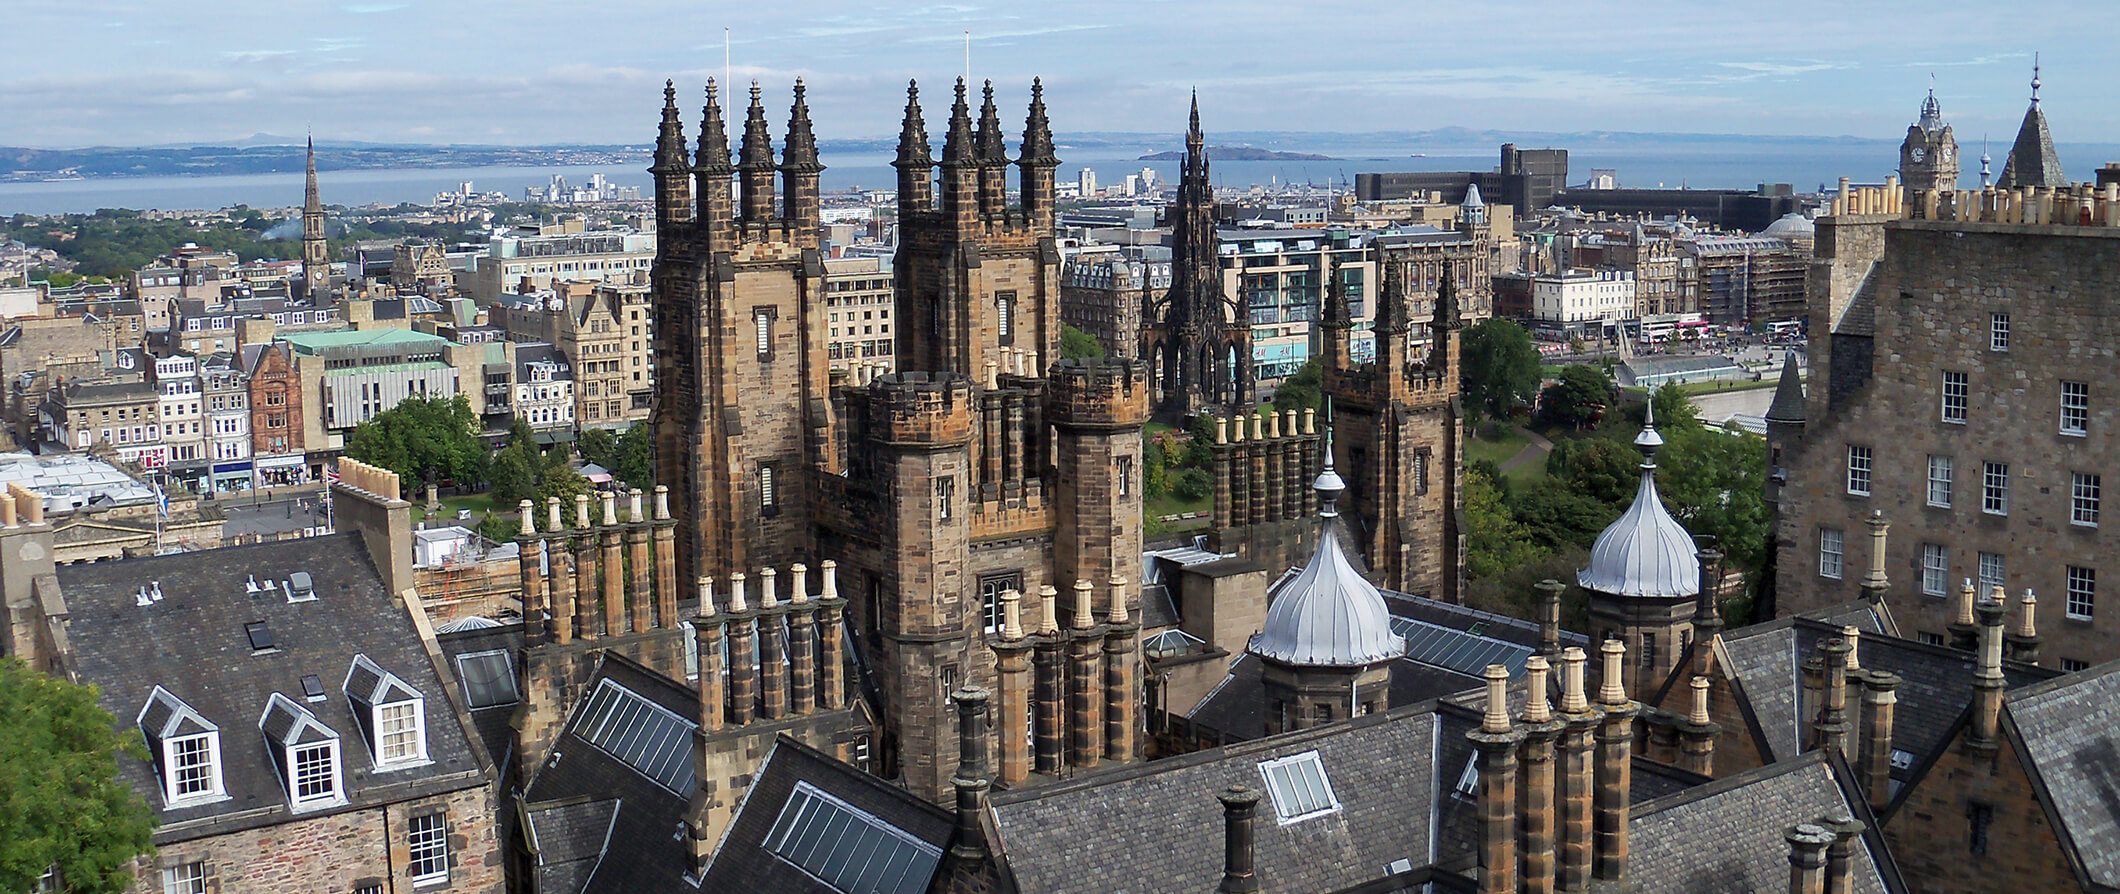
300, 588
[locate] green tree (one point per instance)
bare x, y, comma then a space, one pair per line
633, 459
1579, 397
422, 439
520, 471
1194, 484
1712, 481
1674, 410
1602, 469
1076, 344
1499, 367
1494, 541
1556, 517
61, 801
1155, 466
1302, 389
599, 446
1200, 451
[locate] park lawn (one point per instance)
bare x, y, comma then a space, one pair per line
479, 504
1495, 444
1153, 510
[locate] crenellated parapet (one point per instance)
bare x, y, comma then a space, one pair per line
913, 409
1103, 393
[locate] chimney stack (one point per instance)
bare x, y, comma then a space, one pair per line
1085, 702
1988, 682
1535, 792
802, 641
1840, 855
1831, 730
1874, 584
1707, 612
831, 664
2023, 642
971, 778
706, 635
1239, 804
1697, 733
1049, 695
1807, 858
1576, 774
1965, 629
1549, 617
1496, 742
1120, 655
1878, 699
1012, 666
1615, 766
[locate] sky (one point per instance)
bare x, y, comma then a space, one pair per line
536, 72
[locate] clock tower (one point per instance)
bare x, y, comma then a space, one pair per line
1929, 157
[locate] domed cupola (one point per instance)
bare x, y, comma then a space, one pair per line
1328, 615
1646, 552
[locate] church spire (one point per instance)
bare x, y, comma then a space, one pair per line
316, 253
755, 164
673, 175
991, 149
800, 151
915, 162
713, 155
958, 147
1038, 132
2032, 160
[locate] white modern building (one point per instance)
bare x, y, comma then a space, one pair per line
1583, 302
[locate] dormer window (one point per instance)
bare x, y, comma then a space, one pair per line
391, 713
186, 748
306, 752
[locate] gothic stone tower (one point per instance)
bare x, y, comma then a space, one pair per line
978, 280
316, 254
1396, 424
1928, 159
1198, 339
743, 422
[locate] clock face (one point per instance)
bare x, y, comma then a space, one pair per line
1945, 153
1918, 154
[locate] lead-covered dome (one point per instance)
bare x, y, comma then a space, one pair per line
1645, 552
1329, 615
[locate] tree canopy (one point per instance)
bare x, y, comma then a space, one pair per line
1302, 389
61, 801
1579, 397
1674, 410
520, 471
1499, 367
1076, 344
1713, 482
422, 439
630, 456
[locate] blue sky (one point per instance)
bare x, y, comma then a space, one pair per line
139, 72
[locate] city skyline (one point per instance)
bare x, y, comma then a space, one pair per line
416, 71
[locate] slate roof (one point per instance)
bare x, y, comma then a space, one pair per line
744, 863
1936, 682
193, 643
567, 841
1157, 827
2032, 160
1788, 394
490, 723
642, 855
2068, 729
1158, 610
1726, 836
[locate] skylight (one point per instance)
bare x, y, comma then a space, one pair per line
260, 635
647, 736
1299, 787
489, 678
849, 849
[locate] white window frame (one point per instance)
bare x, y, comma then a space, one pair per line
184, 878
2075, 408
1995, 488
1999, 332
380, 720
1860, 461
334, 774
427, 848
173, 775
768, 489
1988, 582
1956, 396
1941, 469
1329, 804
1935, 569
1832, 552
2082, 600
2085, 492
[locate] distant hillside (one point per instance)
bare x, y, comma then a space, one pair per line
1240, 153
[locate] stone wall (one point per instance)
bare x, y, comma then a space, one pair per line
1932, 296
1931, 831
343, 851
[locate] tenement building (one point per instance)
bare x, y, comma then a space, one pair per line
1960, 383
